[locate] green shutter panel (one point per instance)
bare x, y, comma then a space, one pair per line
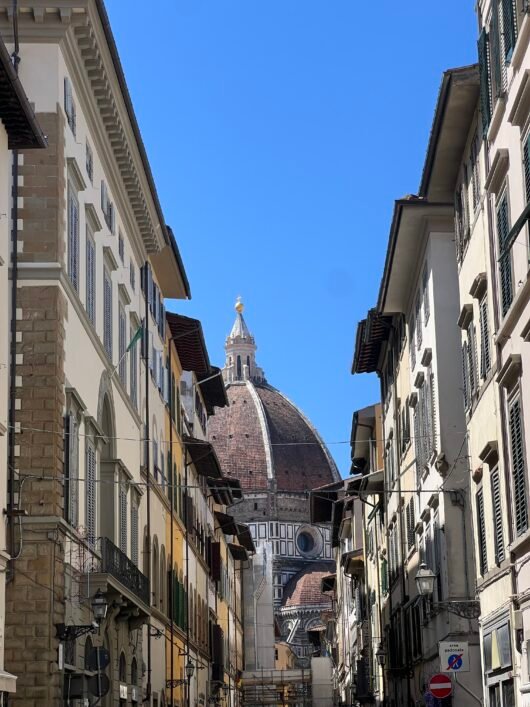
526, 167
496, 66
509, 28
481, 530
497, 517
518, 467
485, 355
485, 80
505, 261
465, 375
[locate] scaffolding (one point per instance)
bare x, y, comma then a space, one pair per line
277, 688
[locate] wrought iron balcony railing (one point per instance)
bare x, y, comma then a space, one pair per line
116, 563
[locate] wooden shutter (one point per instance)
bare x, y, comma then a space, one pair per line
481, 530
505, 261
134, 531
71, 470
475, 171
90, 493
123, 518
417, 442
465, 375
518, 467
509, 28
215, 566
472, 354
496, 502
107, 313
90, 277
485, 79
485, 355
498, 68
122, 344
526, 167
73, 238
133, 364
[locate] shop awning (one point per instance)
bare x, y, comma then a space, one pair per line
203, 456
213, 389
227, 523
238, 552
371, 484
245, 537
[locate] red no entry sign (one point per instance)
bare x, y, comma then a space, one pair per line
440, 686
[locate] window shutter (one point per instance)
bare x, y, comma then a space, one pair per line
485, 79
90, 278
90, 493
133, 364
122, 345
475, 171
417, 442
509, 28
71, 470
73, 238
107, 313
485, 356
526, 167
123, 518
426, 299
215, 568
134, 532
472, 354
419, 331
481, 529
412, 343
518, 467
465, 375
497, 517
498, 69
505, 262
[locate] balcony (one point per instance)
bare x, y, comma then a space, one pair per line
113, 572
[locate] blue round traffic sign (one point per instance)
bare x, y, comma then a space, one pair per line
454, 662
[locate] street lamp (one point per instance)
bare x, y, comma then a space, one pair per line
190, 669
466, 608
99, 606
381, 655
425, 580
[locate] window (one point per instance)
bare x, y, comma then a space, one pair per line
426, 299
505, 255
472, 362
518, 466
107, 313
405, 427
496, 503
122, 344
71, 469
485, 354
90, 472
132, 275
462, 216
475, 172
526, 166
69, 104
481, 532
465, 375
133, 363
419, 332
89, 162
411, 523
90, 276
134, 530
393, 546
73, 237
123, 517
412, 343
107, 207
121, 247
485, 80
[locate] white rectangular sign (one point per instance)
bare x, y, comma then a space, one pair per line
454, 657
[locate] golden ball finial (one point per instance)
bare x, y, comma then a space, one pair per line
239, 305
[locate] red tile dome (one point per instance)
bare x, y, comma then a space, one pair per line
304, 590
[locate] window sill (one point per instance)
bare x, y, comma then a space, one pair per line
520, 542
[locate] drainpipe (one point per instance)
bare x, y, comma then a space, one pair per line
13, 324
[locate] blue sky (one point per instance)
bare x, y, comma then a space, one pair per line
279, 133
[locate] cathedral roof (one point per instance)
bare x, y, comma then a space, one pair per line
304, 588
262, 436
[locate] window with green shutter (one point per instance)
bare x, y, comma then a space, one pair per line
496, 503
485, 353
485, 79
90, 512
73, 237
518, 467
526, 167
384, 577
107, 313
509, 28
505, 255
481, 532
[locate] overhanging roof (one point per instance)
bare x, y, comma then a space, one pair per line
455, 109
189, 341
353, 562
203, 457
413, 217
321, 501
213, 390
362, 432
23, 131
371, 484
372, 332
168, 235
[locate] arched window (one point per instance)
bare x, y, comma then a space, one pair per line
134, 672
155, 573
122, 668
146, 554
239, 367
248, 364
88, 650
163, 579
